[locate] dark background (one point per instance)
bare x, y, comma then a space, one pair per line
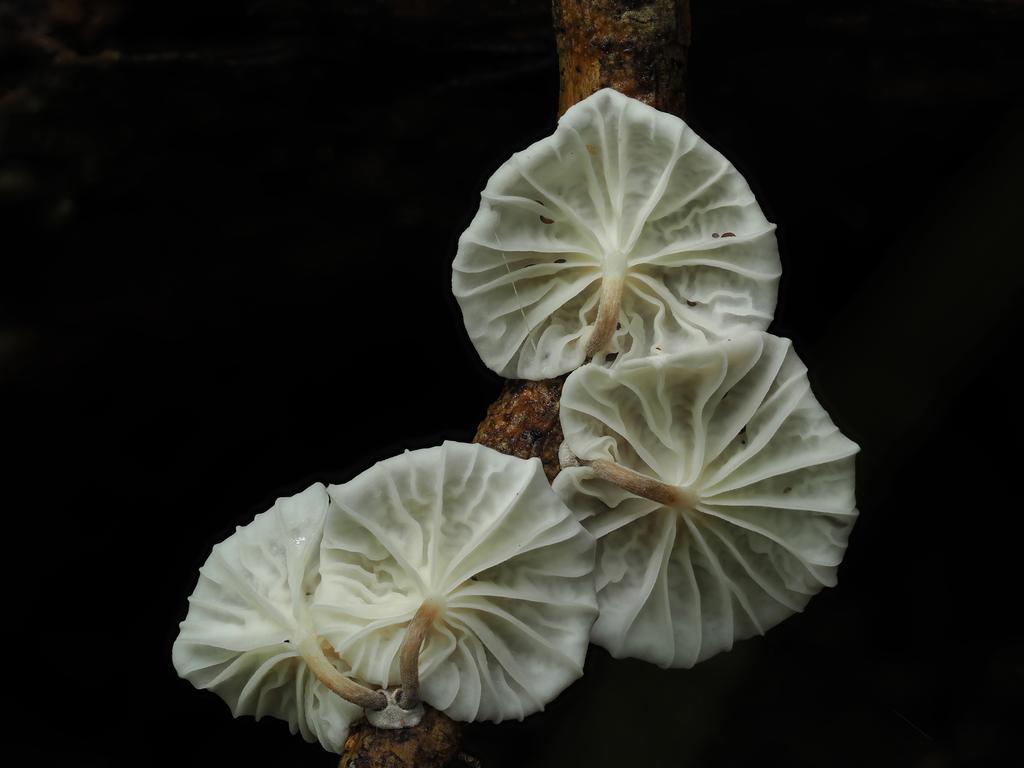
224, 273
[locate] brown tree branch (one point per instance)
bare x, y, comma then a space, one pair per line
638, 48
434, 743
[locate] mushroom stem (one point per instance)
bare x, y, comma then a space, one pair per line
607, 314
641, 485
327, 673
409, 662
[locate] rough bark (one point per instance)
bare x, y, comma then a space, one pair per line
638, 48
434, 743
523, 422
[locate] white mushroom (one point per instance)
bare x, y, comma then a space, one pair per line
458, 566
719, 490
623, 233
248, 635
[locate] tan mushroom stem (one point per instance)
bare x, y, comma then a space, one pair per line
409, 661
641, 485
328, 674
607, 314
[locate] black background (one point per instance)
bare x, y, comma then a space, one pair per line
226, 274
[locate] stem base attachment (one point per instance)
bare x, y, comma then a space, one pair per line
393, 716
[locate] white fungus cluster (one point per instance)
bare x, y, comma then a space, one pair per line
704, 494
311, 602
755, 504
720, 492
623, 233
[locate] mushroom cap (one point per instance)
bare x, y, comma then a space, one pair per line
249, 611
619, 190
734, 424
482, 536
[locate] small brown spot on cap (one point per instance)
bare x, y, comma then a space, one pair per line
592, 149
787, 489
714, 234
546, 220
690, 303
559, 261
728, 234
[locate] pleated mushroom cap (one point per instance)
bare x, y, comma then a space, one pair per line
480, 535
764, 483
250, 611
626, 207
